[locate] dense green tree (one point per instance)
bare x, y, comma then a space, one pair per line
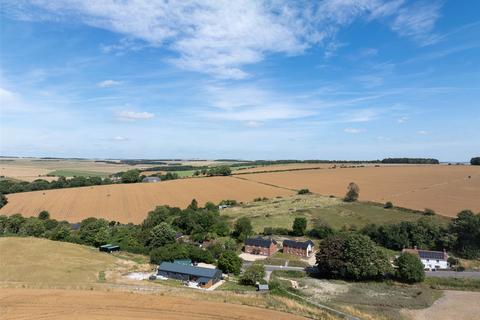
44, 215
352, 192
3, 224
168, 252
32, 227
299, 226
131, 176
219, 171
161, 235
193, 205
351, 256
198, 254
466, 228
409, 268
14, 223
242, 229
253, 274
62, 232
102, 237
89, 228
230, 262
321, 231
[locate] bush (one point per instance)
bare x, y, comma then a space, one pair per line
321, 231
230, 262
253, 274
388, 205
44, 215
303, 191
475, 161
242, 229
409, 268
352, 193
428, 212
299, 226
3, 200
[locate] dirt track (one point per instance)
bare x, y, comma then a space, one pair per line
85, 305
458, 305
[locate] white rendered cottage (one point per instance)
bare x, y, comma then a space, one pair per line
432, 260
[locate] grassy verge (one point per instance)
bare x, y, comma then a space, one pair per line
463, 284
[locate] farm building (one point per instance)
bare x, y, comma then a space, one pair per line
299, 248
432, 260
109, 248
151, 179
261, 246
205, 277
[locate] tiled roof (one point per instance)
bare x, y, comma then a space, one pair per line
260, 242
297, 244
427, 254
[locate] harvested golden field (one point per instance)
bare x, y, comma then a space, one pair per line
446, 189
44, 262
279, 167
132, 202
70, 304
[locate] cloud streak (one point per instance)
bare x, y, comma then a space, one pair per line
134, 116
221, 37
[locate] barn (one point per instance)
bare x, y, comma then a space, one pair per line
205, 277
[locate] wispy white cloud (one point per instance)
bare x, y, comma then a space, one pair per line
119, 138
402, 119
134, 116
108, 83
221, 37
354, 130
423, 132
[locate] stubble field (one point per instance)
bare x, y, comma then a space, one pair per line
131, 202
446, 189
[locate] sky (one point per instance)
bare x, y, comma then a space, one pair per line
280, 79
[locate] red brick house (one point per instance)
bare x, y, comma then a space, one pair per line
303, 249
264, 247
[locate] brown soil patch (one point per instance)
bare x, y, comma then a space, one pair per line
453, 305
446, 189
69, 304
132, 202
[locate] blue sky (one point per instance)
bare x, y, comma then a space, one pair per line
335, 79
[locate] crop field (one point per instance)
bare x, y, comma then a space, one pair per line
446, 189
280, 213
132, 202
35, 261
280, 167
83, 305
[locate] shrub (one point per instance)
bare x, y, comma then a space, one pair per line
303, 191
242, 229
428, 212
475, 161
409, 268
388, 205
44, 215
299, 226
352, 193
253, 274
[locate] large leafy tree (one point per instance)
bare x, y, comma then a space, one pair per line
253, 274
353, 192
161, 235
409, 268
299, 226
466, 227
351, 256
242, 229
230, 262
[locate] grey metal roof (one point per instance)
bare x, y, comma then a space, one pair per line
260, 242
434, 255
297, 244
151, 179
190, 270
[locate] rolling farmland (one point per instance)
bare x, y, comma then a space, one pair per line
132, 202
446, 189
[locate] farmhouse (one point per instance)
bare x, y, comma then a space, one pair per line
264, 247
299, 248
432, 260
205, 277
151, 179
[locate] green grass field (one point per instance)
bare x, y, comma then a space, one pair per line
280, 212
78, 173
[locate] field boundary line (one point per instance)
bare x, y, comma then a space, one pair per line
264, 183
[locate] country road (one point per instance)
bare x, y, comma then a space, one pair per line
453, 274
